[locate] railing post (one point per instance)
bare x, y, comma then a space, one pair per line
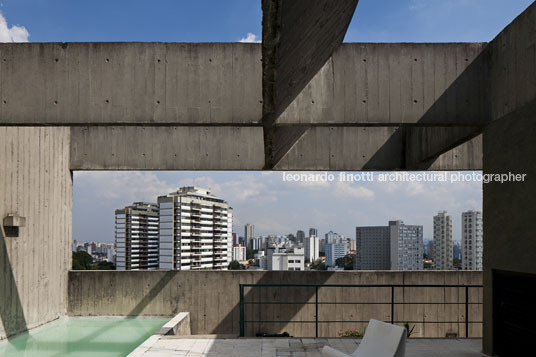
316, 311
466, 312
392, 304
241, 310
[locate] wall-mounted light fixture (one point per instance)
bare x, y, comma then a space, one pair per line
12, 223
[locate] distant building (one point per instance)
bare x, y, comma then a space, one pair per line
350, 244
256, 243
472, 240
443, 241
330, 237
457, 250
235, 239
249, 232
239, 253
322, 245
312, 248
136, 237
429, 249
406, 246
110, 255
373, 246
394, 247
300, 236
313, 232
195, 230
335, 251
291, 260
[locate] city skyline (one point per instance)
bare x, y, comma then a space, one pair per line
273, 206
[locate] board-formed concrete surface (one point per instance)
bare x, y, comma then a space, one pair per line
166, 293
35, 183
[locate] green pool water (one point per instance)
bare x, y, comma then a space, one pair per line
95, 336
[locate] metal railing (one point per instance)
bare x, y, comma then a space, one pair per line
393, 303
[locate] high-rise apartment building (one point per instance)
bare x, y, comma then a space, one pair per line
312, 248
406, 246
373, 248
472, 240
335, 251
443, 241
136, 237
394, 247
249, 232
313, 232
195, 230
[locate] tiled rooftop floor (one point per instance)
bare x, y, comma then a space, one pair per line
304, 347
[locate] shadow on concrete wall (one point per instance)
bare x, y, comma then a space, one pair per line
153, 293
89, 342
295, 295
467, 94
11, 310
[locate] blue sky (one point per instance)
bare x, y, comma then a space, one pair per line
232, 20
263, 199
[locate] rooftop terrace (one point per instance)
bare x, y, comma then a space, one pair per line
304, 347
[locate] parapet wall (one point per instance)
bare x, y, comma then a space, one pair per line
213, 299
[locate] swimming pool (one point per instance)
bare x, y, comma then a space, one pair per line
84, 336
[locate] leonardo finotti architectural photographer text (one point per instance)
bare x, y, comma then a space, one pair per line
451, 177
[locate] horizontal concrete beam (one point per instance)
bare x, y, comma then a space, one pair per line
166, 148
241, 148
424, 145
220, 84
336, 148
427, 84
467, 156
375, 148
130, 83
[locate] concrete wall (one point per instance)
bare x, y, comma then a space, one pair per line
166, 148
151, 83
35, 182
212, 298
190, 96
395, 84
510, 146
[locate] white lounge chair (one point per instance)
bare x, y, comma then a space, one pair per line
381, 340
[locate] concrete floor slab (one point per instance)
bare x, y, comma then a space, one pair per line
300, 347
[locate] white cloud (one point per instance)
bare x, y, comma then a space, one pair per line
352, 191
251, 37
124, 186
13, 33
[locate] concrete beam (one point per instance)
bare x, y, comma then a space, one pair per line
426, 144
130, 83
337, 148
166, 148
396, 84
299, 36
467, 156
